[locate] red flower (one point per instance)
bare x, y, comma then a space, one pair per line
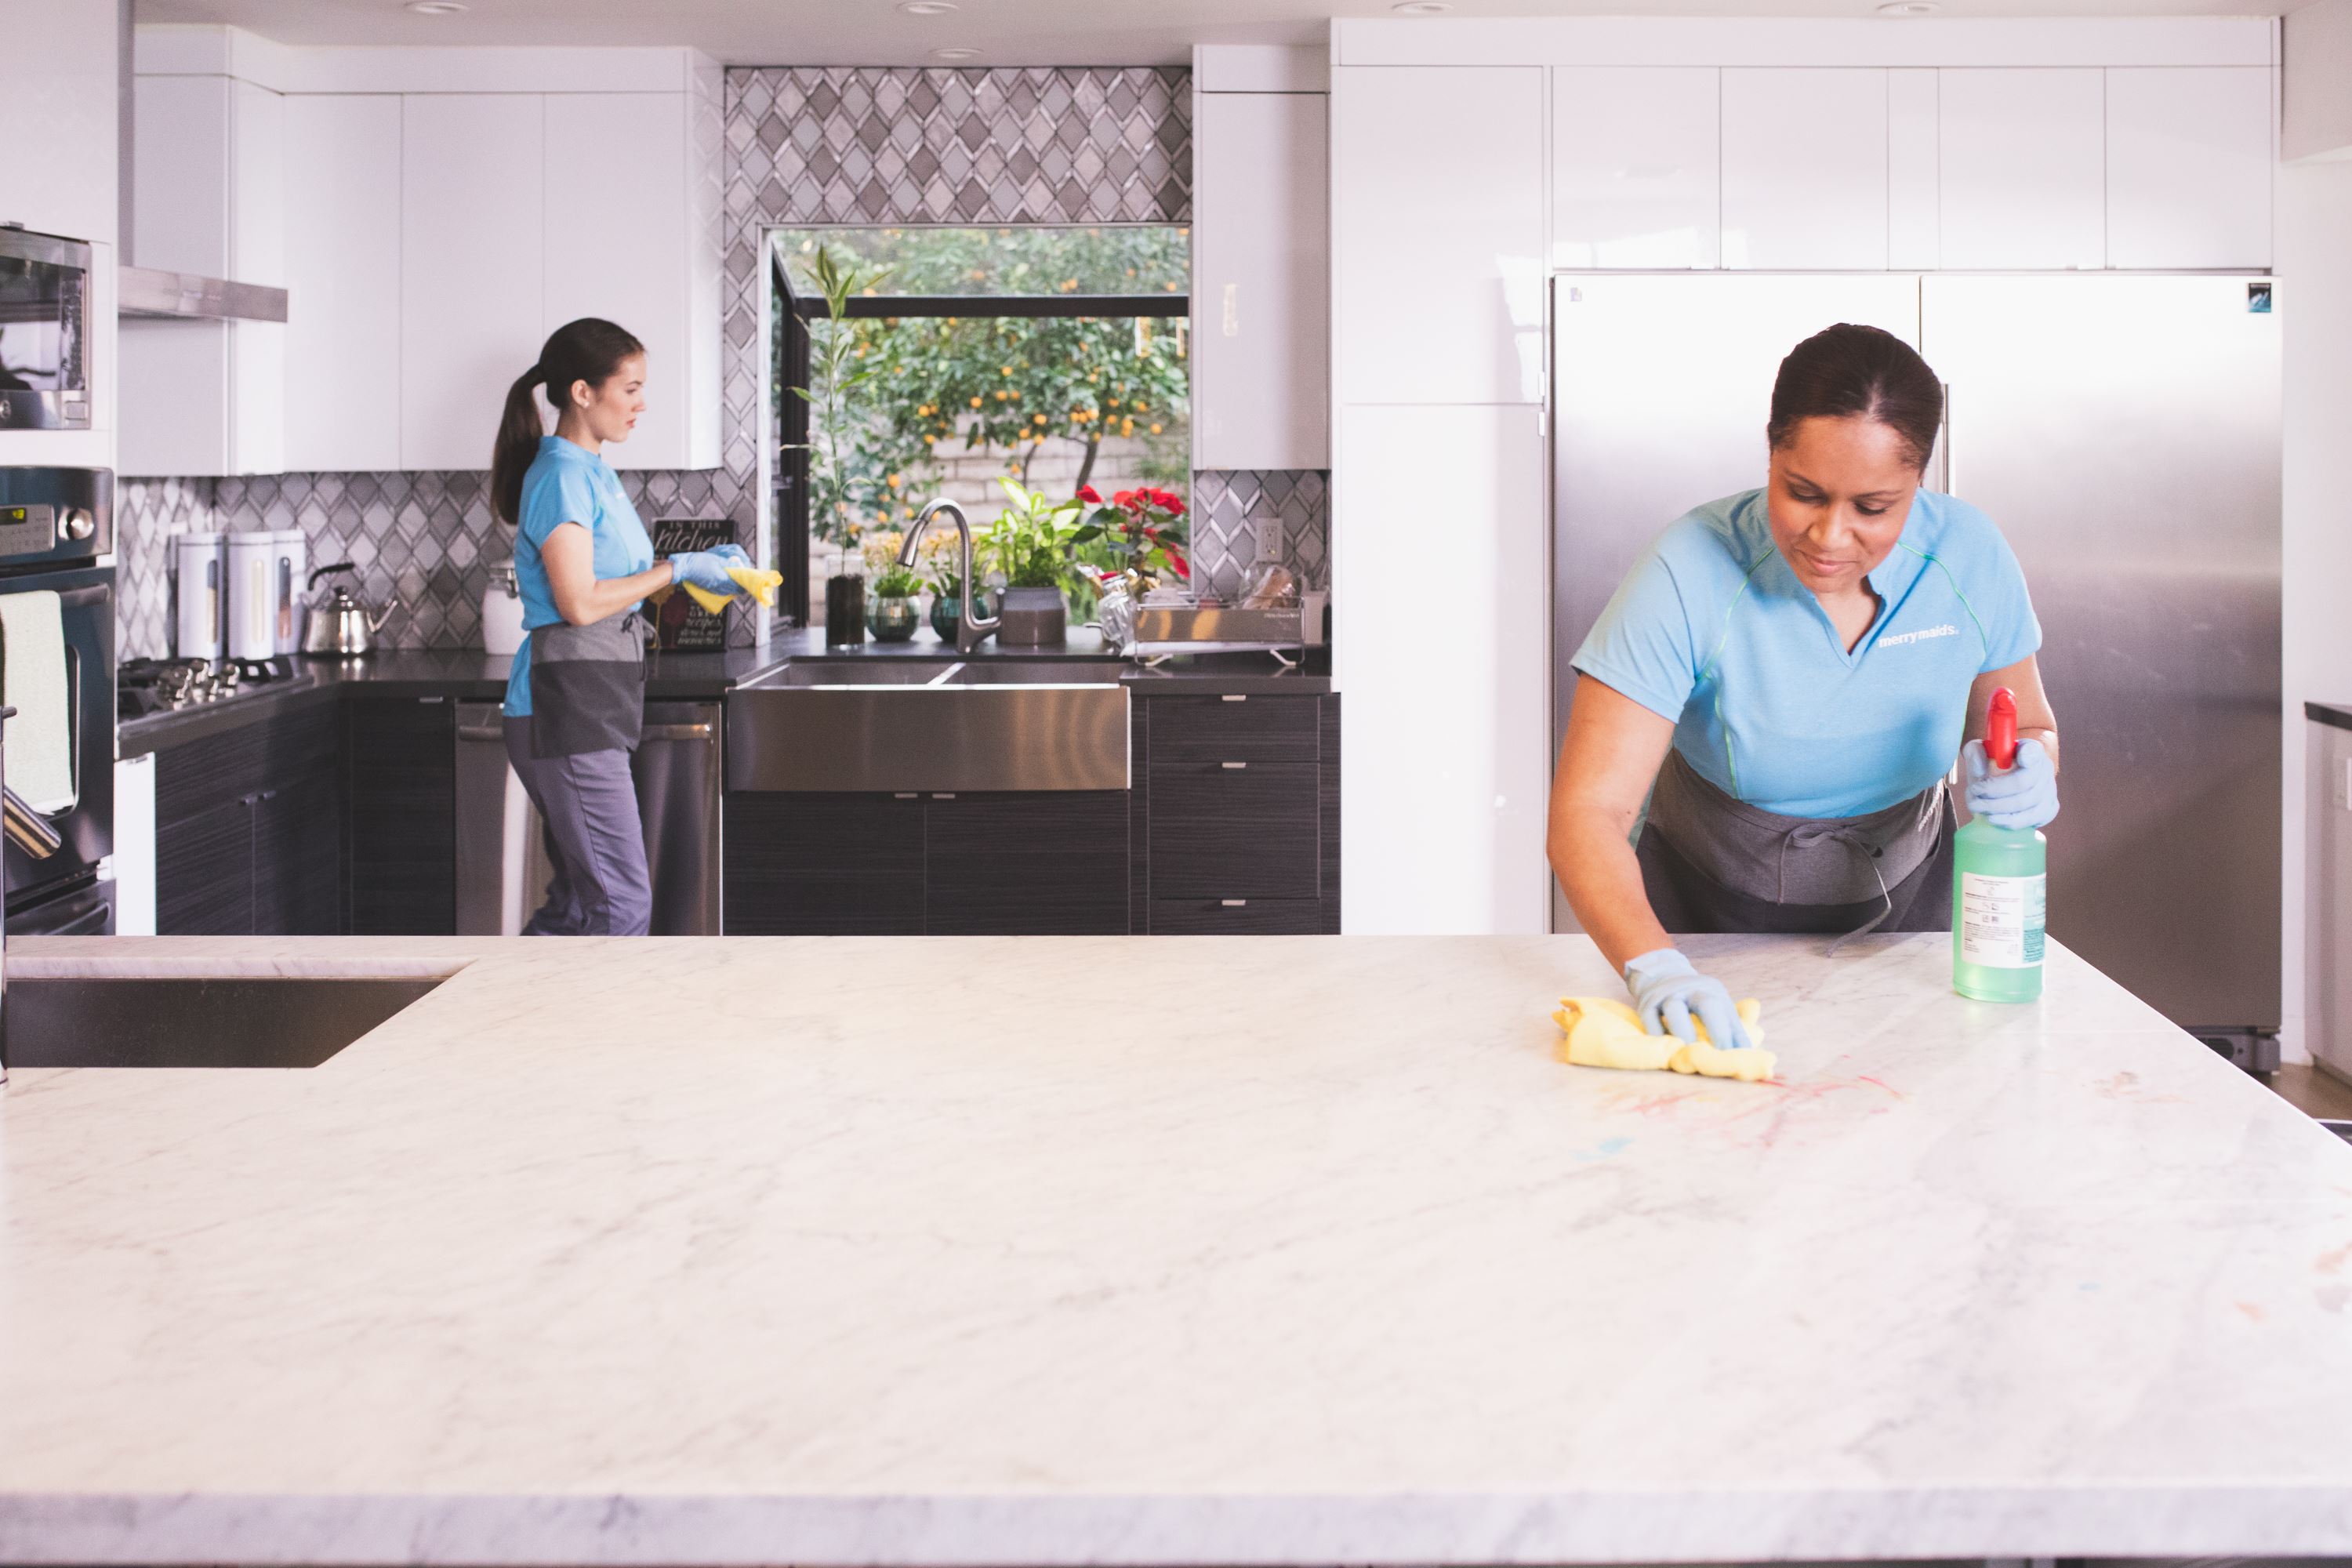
1175, 507
1151, 532
1088, 494
1125, 498
1177, 561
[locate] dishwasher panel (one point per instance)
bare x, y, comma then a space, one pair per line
502, 862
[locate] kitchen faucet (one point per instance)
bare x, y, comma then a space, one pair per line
970, 628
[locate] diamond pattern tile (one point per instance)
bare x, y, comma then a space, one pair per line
1226, 507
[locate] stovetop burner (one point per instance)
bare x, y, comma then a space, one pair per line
144, 686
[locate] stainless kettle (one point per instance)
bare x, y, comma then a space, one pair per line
340, 626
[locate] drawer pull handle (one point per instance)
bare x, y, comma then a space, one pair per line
1233, 767
1232, 903
908, 795
1231, 697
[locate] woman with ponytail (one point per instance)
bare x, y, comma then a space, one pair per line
583, 564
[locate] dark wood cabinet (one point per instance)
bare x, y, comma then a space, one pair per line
402, 808
1240, 796
1231, 826
823, 865
248, 829
203, 870
1051, 863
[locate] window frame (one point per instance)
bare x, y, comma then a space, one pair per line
790, 495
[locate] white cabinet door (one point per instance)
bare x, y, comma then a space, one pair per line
2024, 168
342, 282
1437, 226
616, 247
1261, 279
257, 205
472, 276
1914, 224
1634, 166
1446, 761
2188, 166
1804, 169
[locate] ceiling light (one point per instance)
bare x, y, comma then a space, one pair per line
957, 53
926, 7
1424, 7
437, 7
1910, 7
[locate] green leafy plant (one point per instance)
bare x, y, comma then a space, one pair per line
885, 579
845, 486
1033, 540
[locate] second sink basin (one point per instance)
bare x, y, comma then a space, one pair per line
930, 725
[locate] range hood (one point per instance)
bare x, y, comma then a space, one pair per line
150, 293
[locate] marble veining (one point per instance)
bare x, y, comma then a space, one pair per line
992, 1251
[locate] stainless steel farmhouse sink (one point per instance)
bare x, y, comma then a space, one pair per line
936, 725
260, 1022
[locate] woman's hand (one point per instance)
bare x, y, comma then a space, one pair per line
708, 568
2024, 794
1667, 991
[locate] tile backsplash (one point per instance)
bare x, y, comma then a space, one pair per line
427, 538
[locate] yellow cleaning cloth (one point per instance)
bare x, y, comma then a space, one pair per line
1602, 1032
761, 586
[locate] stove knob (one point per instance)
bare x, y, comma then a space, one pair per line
80, 523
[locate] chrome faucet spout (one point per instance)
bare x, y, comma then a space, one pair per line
970, 630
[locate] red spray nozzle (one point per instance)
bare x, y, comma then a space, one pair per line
2001, 729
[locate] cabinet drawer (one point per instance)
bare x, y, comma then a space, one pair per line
823, 865
1236, 917
218, 769
1234, 833
1215, 729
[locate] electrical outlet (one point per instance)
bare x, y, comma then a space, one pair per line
1270, 538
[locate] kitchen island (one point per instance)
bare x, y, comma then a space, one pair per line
1239, 1250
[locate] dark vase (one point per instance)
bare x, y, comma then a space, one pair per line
893, 618
845, 610
945, 611
1032, 617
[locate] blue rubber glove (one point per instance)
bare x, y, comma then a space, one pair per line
707, 568
1667, 991
2024, 795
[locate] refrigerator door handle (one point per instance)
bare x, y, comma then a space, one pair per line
1944, 446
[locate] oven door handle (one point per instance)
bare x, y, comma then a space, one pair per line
24, 826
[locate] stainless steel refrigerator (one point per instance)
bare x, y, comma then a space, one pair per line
2123, 430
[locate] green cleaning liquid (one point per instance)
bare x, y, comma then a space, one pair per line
1999, 879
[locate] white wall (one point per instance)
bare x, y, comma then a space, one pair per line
2314, 266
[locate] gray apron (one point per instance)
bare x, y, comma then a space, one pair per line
587, 686
1714, 863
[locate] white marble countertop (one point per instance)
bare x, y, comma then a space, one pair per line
1150, 1251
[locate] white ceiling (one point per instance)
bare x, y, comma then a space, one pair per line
1007, 32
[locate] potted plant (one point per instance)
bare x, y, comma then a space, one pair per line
834, 486
1140, 534
1031, 542
892, 613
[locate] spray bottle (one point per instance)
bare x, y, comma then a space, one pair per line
1998, 888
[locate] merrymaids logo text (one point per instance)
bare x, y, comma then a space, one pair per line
1946, 630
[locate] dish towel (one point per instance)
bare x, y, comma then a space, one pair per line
39, 738
761, 586
1601, 1032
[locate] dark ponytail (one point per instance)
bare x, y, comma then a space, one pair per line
1848, 372
586, 349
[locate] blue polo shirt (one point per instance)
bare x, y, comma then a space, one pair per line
568, 483
1713, 631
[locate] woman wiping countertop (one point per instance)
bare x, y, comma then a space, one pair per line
1786, 676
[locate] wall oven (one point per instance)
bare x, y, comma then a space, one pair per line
56, 815
45, 296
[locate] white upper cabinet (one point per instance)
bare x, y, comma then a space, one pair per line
1804, 169
2188, 166
620, 234
1913, 218
2023, 168
206, 398
1634, 175
1437, 219
1261, 281
342, 281
473, 286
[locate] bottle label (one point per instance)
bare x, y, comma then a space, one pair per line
2000, 920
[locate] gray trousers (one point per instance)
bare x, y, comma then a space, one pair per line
595, 840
